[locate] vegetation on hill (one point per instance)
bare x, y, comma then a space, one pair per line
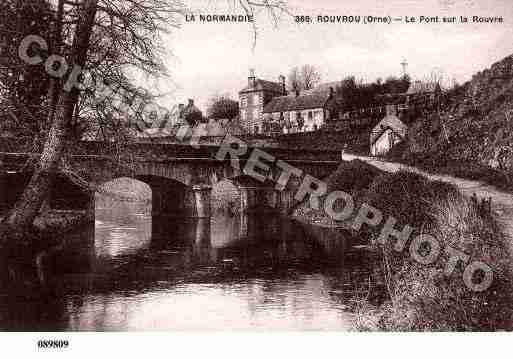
352, 177
472, 136
420, 297
355, 94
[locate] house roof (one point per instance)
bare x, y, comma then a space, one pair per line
214, 128
221, 127
389, 122
296, 103
264, 85
417, 87
190, 108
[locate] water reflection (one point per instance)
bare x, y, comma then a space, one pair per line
129, 272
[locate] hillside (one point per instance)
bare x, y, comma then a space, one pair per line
474, 128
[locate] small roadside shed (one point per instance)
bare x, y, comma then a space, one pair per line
387, 133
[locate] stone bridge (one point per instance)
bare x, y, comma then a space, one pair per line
180, 176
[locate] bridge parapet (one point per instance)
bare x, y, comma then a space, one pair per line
166, 151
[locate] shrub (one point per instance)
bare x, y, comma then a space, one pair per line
423, 297
352, 177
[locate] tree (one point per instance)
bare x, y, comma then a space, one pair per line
93, 36
21, 217
302, 78
394, 85
23, 88
222, 107
294, 80
310, 77
110, 42
194, 117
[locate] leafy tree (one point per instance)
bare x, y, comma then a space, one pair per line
394, 85
222, 107
194, 117
355, 94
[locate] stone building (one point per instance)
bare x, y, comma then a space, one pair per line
301, 112
254, 97
189, 112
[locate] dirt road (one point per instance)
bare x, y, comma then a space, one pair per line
502, 202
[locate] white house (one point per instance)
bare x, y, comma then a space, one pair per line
303, 111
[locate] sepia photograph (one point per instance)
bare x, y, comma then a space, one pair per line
186, 166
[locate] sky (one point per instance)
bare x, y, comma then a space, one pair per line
207, 59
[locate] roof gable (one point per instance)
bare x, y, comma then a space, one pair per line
389, 122
265, 86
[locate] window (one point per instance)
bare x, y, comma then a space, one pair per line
243, 115
310, 115
243, 101
256, 98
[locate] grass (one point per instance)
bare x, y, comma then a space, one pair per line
422, 297
501, 179
352, 177
477, 172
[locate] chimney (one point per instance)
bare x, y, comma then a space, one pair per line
332, 92
281, 80
251, 78
181, 107
297, 93
191, 102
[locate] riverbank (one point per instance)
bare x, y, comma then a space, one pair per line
422, 297
48, 226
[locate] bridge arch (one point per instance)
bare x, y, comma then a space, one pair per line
243, 193
169, 197
123, 189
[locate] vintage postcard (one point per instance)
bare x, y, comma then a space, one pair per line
255, 165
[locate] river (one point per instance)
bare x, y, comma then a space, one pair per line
129, 272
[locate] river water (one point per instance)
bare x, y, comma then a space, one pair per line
129, 272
